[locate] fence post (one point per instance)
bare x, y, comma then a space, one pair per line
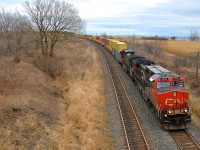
197, 66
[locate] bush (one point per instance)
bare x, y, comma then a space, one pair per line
51, 65
194, 85
173, 38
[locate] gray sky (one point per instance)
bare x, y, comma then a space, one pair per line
139, 17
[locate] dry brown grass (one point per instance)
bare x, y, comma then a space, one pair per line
194, 102
68, 111
86, 125
26, 101
182, 47
51, 65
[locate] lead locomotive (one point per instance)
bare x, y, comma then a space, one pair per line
161, 88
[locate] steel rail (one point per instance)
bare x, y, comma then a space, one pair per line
129, 139
184, 140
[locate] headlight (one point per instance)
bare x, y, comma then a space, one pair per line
185, 110
169, 111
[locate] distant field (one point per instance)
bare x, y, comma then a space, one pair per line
182, 47
174, 46
178, 46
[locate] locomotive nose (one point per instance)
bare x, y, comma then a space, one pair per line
174, 100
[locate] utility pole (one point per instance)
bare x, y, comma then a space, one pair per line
197, 70
197, 62
197, 66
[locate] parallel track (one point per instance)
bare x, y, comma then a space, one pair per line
184, 141
133, 134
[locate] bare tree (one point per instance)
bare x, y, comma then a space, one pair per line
133, 39
194, 35
51, 18
154, 47
158, 46
104, 35
13, 34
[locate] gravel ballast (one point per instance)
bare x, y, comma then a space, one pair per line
114, 117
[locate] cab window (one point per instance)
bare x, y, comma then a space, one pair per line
178, 83
163, 84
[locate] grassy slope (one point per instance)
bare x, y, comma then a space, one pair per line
26, 100
86, 121
68, 112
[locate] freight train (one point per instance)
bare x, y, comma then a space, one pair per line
162, 89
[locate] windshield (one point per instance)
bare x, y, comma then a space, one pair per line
163, 84
178, 83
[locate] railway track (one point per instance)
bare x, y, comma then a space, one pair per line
184, 141
133, 134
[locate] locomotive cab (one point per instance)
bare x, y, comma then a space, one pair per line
170, 98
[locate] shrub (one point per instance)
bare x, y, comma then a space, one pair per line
51, 65
173, 38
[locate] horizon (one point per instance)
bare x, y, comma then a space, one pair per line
140, 36
128, 17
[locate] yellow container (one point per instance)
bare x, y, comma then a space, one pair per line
112, 44
93, 38
119, 46
109, 44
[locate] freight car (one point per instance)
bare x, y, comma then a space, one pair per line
162, 89
117, 48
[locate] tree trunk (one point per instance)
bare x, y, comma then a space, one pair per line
51, 49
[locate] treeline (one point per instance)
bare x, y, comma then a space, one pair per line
45, 24
154, 38
14, 36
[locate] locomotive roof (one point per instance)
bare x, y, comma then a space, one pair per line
132, 57
159, 71
143, 61
129, 50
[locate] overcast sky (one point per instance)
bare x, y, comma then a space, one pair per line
139, 17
